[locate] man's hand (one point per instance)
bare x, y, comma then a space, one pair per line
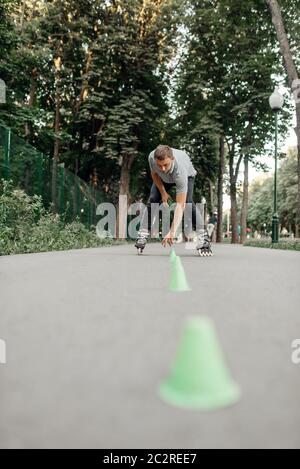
168, 239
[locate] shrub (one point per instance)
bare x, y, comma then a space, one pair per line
284, 243
25, 226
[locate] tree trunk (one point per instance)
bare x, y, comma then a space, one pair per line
233, 213
244, 212
124, 191
30, 14
211, 196
220, 190
233, 174
125, 179
23, 8
32, 94
56, 140
292, 75
297, 130
84, 85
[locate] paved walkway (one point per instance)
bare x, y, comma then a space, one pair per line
91, 333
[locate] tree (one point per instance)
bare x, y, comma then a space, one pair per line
289, 64
287, 191
90, 82
261, 196
225, 81
245, 202
8, 40
132, 90
221, 169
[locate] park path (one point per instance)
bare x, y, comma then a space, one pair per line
91, 333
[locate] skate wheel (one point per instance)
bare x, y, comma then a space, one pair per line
205, 253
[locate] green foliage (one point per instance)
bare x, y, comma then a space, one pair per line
223, 79
262, 191
287, 189
126, 75
261, 203
25, 226
287, 244
102, 65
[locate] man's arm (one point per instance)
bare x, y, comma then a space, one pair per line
179, 209
159, 184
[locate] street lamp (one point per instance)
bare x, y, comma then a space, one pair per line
276, 103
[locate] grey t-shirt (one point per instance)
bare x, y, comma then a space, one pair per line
181, 169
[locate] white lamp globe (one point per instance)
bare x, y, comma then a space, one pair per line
276, 100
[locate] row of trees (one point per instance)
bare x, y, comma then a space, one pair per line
87, 82
261, 197
224, 80
98, 84
287, 29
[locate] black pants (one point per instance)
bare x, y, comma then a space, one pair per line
155, 198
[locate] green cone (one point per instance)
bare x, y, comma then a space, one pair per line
178, 281
199, 378
172, 255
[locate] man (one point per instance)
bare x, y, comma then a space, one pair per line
172, 167
213, 220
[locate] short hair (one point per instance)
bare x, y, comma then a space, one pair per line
162, 152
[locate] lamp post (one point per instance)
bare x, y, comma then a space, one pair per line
276, 103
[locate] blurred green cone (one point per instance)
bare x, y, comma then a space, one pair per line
199, 378
172, 255
178, 282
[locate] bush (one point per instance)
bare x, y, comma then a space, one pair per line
284, 243
25, 226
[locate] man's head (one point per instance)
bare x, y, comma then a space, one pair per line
163, 156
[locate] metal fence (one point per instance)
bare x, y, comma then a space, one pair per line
35, 173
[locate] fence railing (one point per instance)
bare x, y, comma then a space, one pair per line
61, 190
